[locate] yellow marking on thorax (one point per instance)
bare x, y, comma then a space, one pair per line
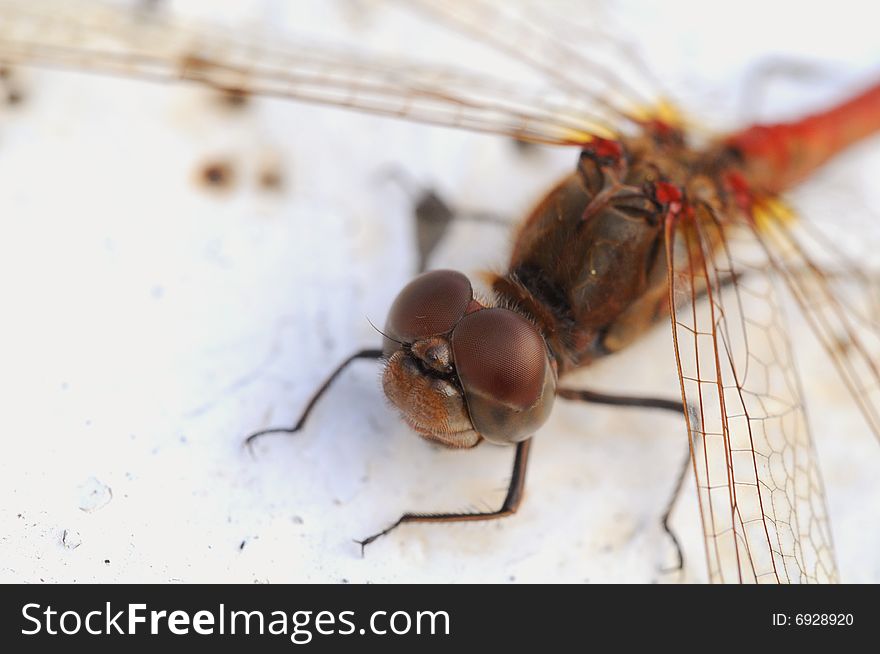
770, 210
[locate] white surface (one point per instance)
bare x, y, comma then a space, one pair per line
149, 325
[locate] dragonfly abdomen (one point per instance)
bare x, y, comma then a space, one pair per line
778, 156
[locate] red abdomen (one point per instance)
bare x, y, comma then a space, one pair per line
776, 157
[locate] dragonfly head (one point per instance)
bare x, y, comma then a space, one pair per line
460, 371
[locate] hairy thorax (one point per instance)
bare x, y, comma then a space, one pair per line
589, 263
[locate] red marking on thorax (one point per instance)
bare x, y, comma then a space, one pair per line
605, 148
661, 130
667, 193
671, 196
739, 188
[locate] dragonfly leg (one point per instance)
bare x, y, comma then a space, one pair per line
433, 215
485, 217
511, 501
621, 400
676, 406
323, 388
670, 506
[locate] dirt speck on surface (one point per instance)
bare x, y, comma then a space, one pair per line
234, 98
71, 539
94, 495
270, 174
216, 174
10, 90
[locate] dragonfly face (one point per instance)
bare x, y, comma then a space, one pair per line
461, 372
744, 433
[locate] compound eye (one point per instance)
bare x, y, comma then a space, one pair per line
430, 305
504, 368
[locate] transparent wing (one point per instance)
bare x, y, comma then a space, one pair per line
92, 36
562, 43
761, 496
592, 35
839, 299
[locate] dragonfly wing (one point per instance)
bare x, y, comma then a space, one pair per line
561, 43
107, 39
839, 298
761, 496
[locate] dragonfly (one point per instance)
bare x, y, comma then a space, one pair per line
711, 246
